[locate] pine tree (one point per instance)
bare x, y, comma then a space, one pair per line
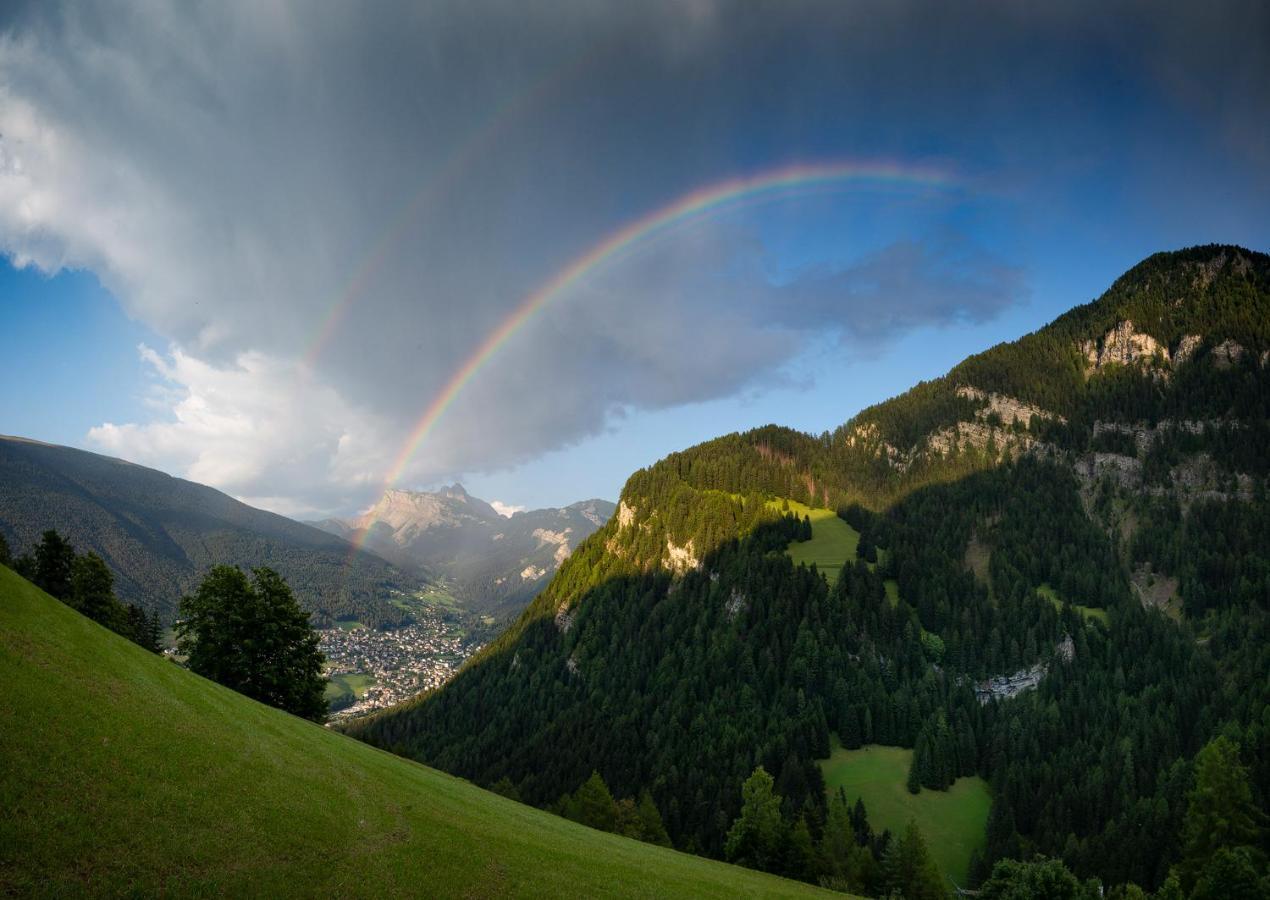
154, 633
54, 557
850, 731
504, 788
593, 804
859, 820
755, 836
914, 783
5, 558
798, 851
92, 591
1220, 813
650, 820
910, 869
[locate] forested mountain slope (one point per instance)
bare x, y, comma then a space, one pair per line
160, 534
494, 564
126, 775
1088, 503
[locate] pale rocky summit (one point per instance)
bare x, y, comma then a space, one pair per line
492, 562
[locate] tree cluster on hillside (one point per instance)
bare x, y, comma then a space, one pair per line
84, 582
253, 636
838, 851
592, 804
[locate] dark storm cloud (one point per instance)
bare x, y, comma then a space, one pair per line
234, 171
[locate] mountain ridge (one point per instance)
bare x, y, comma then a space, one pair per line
159, 533
659, 642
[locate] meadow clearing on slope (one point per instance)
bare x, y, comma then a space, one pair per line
953, 822
833, 542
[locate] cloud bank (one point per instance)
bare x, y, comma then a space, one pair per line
325, 210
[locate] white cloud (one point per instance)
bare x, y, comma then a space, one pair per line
234, 172
506, 509
256, 422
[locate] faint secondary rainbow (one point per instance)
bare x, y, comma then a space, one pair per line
701, 202
518, 108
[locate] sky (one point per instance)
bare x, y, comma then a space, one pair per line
303, 252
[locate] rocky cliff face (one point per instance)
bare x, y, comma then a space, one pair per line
1125, 346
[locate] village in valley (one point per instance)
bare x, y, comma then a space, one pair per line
370, 669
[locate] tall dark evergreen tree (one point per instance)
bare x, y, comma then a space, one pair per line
254, 637
1220, 813
755, 837
92, 592
54, 557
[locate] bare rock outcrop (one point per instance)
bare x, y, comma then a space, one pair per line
559, 538
1125, 471
1186, 349
1227, 353
1123, 345
1006, 408
1003, 687
1145, 436
681, 559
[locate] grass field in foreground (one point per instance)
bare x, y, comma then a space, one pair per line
833, 542
1089, 612
124, 774
953, 821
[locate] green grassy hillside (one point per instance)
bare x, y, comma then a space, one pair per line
125, 774
953, 821
833, 542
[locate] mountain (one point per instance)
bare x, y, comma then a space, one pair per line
1056, 565
493, 563
160, 534
127, 775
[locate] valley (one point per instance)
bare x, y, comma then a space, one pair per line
469, 450
374, 668
895, 657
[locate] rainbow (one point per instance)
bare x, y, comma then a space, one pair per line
704, 201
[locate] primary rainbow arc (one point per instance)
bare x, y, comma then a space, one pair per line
703, 201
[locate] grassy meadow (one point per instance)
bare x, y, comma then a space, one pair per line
352, 685
124, 774
953, 821
1091, 613
833, 542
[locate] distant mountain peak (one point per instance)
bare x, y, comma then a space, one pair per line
489, 558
